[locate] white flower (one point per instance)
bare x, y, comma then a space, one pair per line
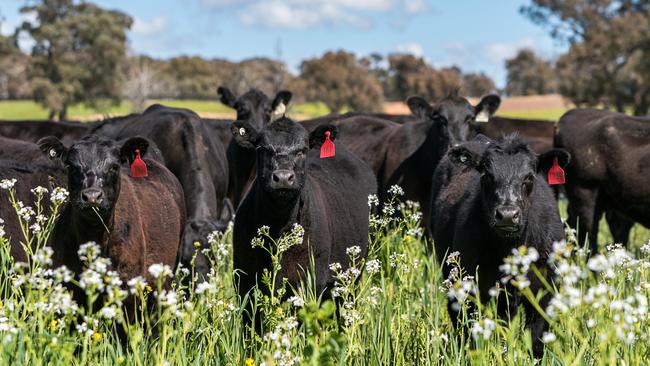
43, 256
483, 328
39, 190
373, 266
297, 301
108, 312
548, 337
58, 195
137, 284
353, 251
335, 267
168, 298
373, 200
645, 248
205, 286
453, 257
7, 183
88, 251
159, 270
396, 190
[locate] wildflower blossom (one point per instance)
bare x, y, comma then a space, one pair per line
483, 328
353, 251
548, 337
373, 266
396, 190
159, 270
7, 183
373, 200
58, 195
297, 301
39, 190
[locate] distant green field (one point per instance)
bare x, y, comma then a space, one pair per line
26, 109
552, 114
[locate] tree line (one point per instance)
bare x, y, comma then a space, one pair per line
80, 56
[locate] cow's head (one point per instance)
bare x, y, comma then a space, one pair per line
456, 113
509, 172
255, 107
93, 165
195, 239
282, 148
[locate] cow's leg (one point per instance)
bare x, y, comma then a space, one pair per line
620, 226
582, 214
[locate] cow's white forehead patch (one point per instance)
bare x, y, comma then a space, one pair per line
242, 131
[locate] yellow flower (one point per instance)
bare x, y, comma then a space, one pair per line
408, 238
250, 362
197, 244
97, 336
148, 289
53, 324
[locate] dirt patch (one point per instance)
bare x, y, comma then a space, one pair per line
509, 104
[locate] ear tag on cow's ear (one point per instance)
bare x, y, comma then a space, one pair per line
556, 173
138, 167
482, 116
327, 150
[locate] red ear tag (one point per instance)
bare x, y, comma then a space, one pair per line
555, 174
138, 167
327, 150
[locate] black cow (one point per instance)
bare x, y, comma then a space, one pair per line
68, 132
257, 110
611, 160
28, 175
328, 197
492, 197
198, 161
456, 113
136, 222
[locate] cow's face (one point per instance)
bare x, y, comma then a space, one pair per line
507, 181
255, 107
456, 113
93, 165
282, 149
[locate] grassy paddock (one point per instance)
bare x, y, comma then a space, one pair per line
392, 309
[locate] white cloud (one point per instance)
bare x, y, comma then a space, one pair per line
414, 6
301, 14
498, 52
412, 48
152, 27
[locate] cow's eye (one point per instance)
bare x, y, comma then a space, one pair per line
300, 154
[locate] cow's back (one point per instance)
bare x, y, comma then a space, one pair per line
149, 221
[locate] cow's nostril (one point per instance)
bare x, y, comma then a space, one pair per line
91, 196
276, 178
290, 178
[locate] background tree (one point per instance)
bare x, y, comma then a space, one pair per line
13, 69
79, 53
477, 85
609, 50
143, 82
529, 75
339, 80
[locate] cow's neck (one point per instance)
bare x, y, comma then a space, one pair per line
280, 217
92, 227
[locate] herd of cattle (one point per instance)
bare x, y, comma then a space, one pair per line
483, 190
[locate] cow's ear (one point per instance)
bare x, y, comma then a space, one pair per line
129, 146
460, 155
545, 161
227, 212
280, 103
486, 107
317, 136
53, 148
420, 107
244, 135
226, 96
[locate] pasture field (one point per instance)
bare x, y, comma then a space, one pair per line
392, 308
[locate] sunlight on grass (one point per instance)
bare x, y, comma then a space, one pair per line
552, 114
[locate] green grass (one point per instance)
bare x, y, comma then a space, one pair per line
392, 311
27, 109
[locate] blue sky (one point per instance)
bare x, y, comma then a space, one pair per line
476, 35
